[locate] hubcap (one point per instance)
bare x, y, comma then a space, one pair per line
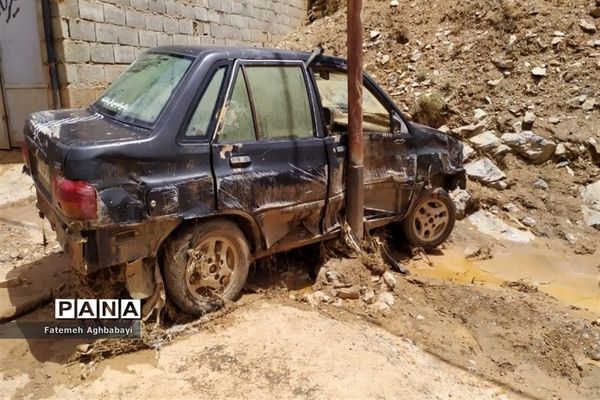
210, 267
431, 220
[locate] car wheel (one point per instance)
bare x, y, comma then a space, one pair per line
431, 220
206, 264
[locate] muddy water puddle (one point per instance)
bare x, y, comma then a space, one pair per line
548, 266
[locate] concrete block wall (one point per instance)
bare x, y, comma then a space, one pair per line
96, 39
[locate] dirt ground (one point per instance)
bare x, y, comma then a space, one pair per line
482, 317
517, 325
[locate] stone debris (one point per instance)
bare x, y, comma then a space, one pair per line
389, 279
539, 72
471, 130
477, 252
484, 170
590, 210
489, 224
468, 152
528, 221
486, 141
352, 292
461, 199
528, 120
387, 298
531, 146
501, 150
541, 184
587, 26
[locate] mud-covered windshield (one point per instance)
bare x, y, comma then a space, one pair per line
141, 92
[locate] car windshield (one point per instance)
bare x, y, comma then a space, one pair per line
141, 92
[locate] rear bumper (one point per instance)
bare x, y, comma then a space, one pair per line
92, 250
71, 242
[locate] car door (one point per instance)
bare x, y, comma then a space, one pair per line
268, 160
389, 157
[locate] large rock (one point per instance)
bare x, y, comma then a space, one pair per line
489, 224
484, 171
485, 141
591, 210
531, 146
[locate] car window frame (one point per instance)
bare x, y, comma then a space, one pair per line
372, 87
150, 126
182, 138
239, 66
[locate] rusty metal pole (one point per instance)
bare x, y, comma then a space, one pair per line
354, 177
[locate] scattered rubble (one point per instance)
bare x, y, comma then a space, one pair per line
485, 171
531, 146
461, 199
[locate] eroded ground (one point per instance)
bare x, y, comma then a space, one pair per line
481, 318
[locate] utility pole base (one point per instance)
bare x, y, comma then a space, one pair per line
355, 200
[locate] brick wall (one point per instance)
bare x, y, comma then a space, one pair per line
96, 39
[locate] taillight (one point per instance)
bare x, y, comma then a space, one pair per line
76, 199
25, 151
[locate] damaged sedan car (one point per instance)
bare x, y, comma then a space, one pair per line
198, 161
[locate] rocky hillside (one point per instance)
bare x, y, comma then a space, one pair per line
518, 81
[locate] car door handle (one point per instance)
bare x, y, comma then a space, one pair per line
240, 161
339, 150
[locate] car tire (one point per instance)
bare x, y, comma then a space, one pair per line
205, 265
431, 219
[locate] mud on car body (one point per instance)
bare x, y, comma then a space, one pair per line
197, 161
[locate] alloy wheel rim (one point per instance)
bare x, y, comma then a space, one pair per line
431, 219
210, 267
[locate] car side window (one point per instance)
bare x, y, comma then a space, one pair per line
281, 102
200, 122
238, 125
333, 89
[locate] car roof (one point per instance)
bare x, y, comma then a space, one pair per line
251, 53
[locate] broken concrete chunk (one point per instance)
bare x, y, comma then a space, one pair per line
461, 199
486, 141
484, 171
531, 146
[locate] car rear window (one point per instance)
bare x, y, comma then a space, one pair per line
140, 94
